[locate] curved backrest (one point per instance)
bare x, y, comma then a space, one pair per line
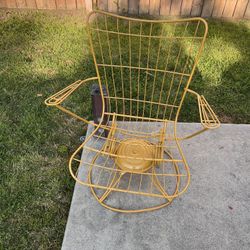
145, 64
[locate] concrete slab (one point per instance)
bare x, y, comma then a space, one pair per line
213, 214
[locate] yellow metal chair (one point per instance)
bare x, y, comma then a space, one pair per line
146, 67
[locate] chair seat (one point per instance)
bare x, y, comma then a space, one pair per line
137, 158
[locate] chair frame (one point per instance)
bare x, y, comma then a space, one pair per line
208, 120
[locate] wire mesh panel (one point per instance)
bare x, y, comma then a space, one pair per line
144, 64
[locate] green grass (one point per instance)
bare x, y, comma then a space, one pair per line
41, 53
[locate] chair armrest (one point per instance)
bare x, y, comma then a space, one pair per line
208, 118
59, 97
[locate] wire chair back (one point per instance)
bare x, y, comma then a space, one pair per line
146, 65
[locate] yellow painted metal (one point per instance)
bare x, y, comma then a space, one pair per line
147, 67
134, 152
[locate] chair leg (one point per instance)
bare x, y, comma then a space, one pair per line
158, 184
112, 185
160, 188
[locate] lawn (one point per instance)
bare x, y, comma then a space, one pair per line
41, 53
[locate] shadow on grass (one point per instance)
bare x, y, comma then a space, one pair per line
36, 141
